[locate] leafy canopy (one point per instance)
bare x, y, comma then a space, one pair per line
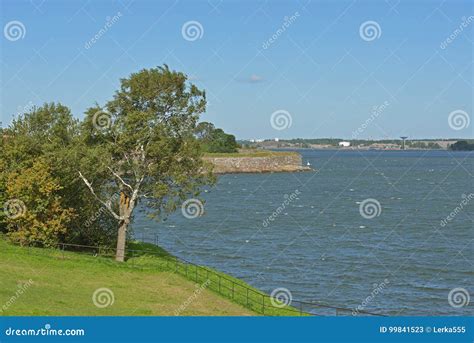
215, 140
144, 139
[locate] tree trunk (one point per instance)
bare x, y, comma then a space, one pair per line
125, 212
121, 240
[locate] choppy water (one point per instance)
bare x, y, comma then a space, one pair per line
322, 249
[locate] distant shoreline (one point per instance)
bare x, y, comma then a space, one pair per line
351, 149
354, 144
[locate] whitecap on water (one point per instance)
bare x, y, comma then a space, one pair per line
362, 227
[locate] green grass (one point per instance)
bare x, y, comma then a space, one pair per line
232, 288
252, 153
150, 282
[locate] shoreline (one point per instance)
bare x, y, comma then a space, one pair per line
260, 161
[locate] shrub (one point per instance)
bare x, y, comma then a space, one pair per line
34, 209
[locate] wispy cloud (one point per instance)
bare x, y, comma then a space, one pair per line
251, 79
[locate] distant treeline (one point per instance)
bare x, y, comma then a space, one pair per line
306, 143
463, 145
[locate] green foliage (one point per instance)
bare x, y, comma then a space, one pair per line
37, 212
142, 145
147, 146
51, 134
462, 145
422, 145
215, 140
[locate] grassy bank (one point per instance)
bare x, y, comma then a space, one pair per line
55, 282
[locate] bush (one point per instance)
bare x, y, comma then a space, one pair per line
34, 209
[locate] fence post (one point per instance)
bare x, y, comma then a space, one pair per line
247, 299
233, 283
186, 270
301, 308
263, 304
196, 273
219, 283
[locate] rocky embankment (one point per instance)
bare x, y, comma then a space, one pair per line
269, 163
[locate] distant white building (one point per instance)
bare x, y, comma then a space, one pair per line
277, 139
344, 144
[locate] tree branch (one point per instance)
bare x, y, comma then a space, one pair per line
106, 204
137, 189
121, 180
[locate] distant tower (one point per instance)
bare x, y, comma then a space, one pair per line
403, 141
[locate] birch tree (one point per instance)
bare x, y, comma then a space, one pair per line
143, 141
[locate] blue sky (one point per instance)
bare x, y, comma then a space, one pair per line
318, 71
